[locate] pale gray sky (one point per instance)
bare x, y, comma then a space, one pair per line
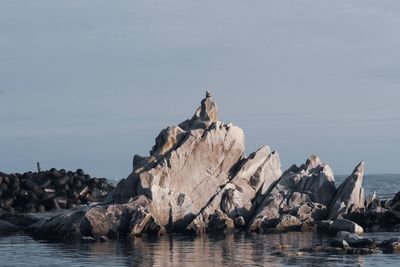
89, 83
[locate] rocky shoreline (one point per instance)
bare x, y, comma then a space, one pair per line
198, 180
53, 189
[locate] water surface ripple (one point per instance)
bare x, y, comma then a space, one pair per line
235, 250
176, 250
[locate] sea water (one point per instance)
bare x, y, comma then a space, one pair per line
176, 250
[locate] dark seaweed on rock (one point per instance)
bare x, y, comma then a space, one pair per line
32, 192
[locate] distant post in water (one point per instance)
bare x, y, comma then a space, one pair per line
38, 166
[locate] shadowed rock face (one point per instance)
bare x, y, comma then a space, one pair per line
254, 177
350, 194
112, 221
319, 181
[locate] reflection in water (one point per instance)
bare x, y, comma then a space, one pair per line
235, 250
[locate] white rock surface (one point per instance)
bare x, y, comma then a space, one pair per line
350, 194
311, 183
254, 177
186, 167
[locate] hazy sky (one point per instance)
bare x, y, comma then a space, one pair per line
88, 84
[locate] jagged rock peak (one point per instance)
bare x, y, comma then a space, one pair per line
313, 161
350, 194
205, 115
303, 192
209, 109
359, 171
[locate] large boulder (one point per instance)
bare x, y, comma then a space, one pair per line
254, 177
345, 225
187, 167
349, 197
123, 220
113, 221
220, 223
288, 223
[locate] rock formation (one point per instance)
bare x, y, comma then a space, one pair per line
299, 198
237, 199
378, 215
350, 194
196, 179
111, 221
187, 166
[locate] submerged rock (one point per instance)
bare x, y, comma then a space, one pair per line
345, 225
339, 243
353, 240
87, 239
390, 245
346, 243
7, 228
